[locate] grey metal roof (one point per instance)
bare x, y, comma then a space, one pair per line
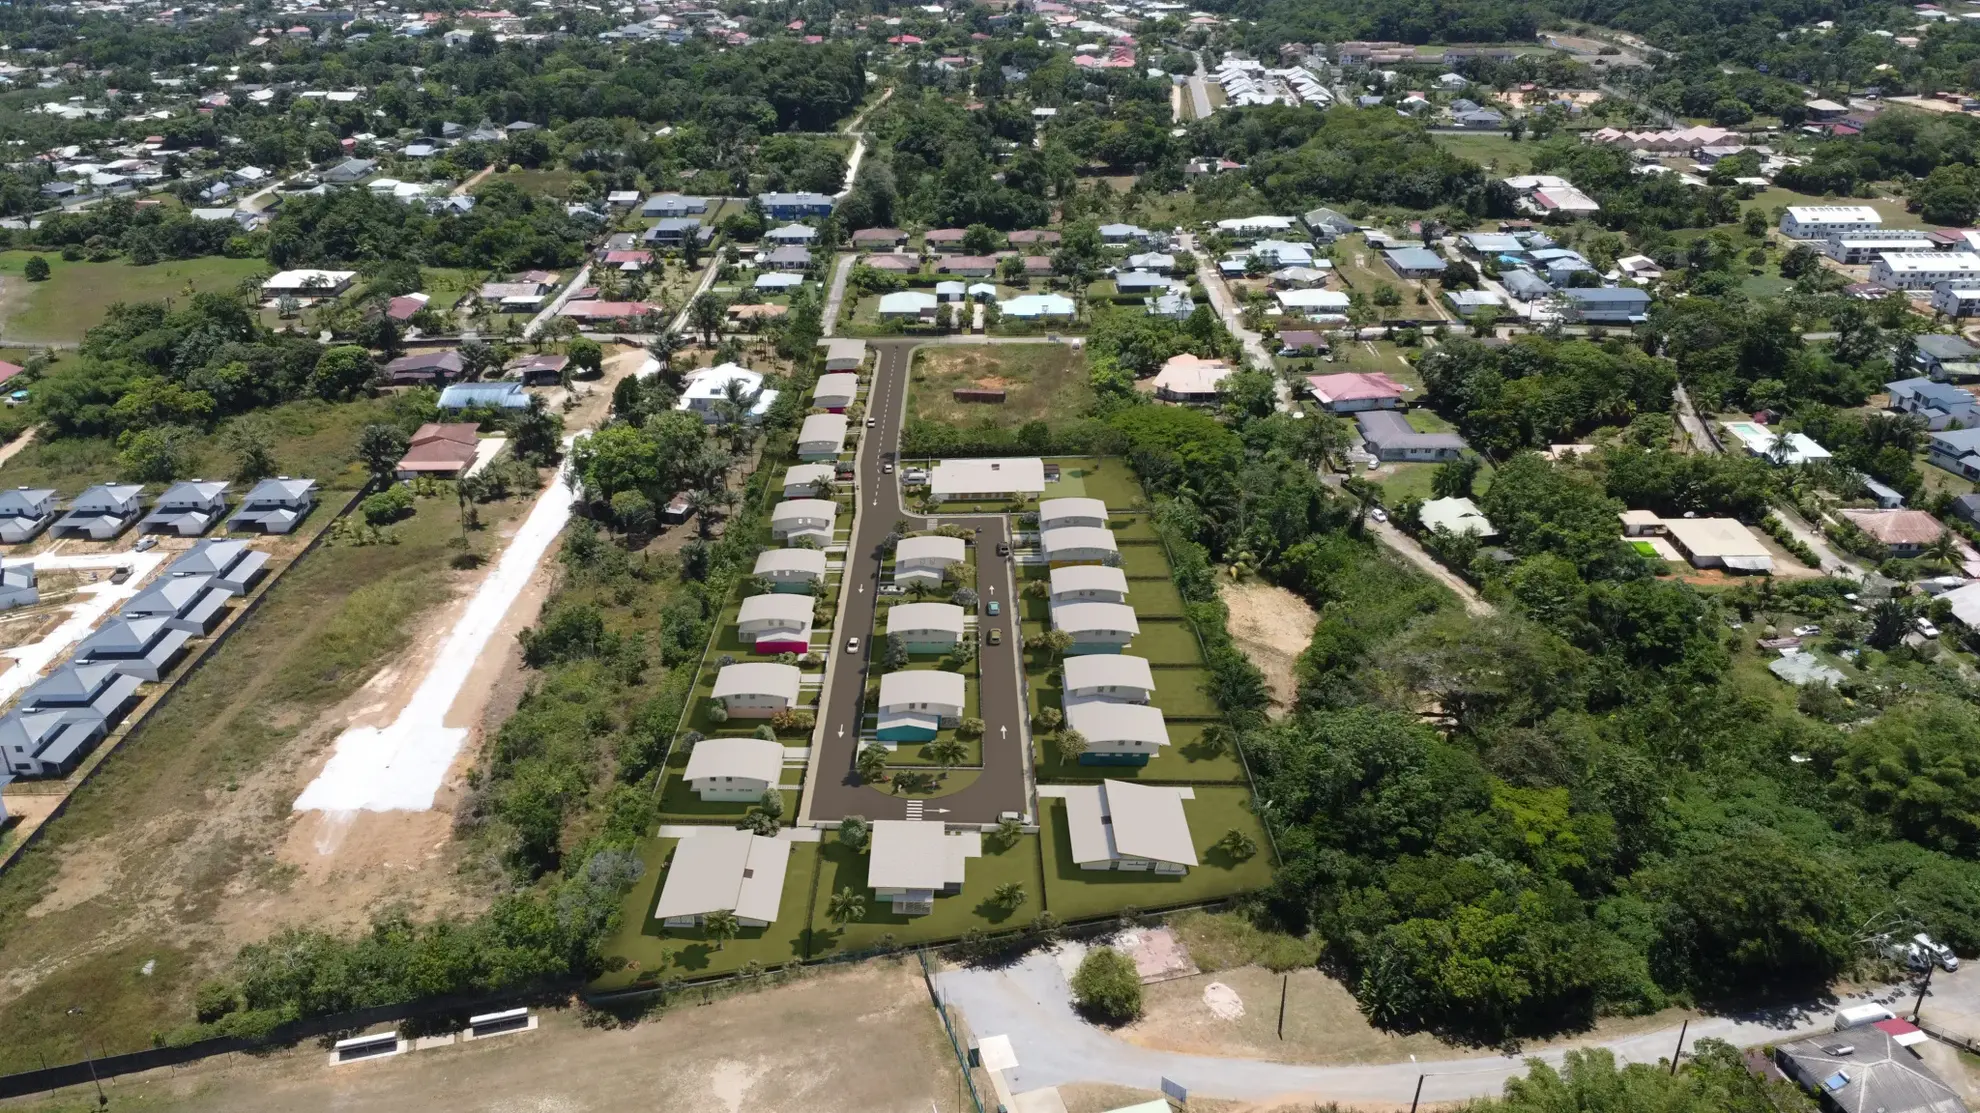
1387, 427
1862, 1070
1943, 347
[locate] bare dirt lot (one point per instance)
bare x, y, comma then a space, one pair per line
859, 1039
1273, 627
1040, 381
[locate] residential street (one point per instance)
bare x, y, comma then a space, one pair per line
833, 790
1030, 1002
1226, 308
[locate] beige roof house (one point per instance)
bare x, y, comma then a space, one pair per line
1124, 825
718, 869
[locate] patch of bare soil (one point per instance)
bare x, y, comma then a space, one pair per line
1273, 627
860, 1039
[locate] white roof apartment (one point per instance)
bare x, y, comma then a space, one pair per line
912, 860
921, 690
1719, 543
757, 678
1077, 543
1108, 676
1113, 728
823, 434
1819, 222
1921, 270
1096, 583
1116, 822
929, 550
835, 390
718, 869
1054, 513
750, 759
801, 480
1095, 618
778, 610
996, 478
708, 387
790, 564
907, 619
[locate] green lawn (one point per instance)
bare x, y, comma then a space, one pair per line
1041, 381
1076, 894
1156, 598
652, 951
842, 867
1134, 527
311, 437
1110, 481
543, 181
1144, 560
678, 803
77, 295
1493, 150
1182, 693
1166, 642
1893, 211
1187, 759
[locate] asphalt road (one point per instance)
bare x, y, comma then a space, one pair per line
835, 789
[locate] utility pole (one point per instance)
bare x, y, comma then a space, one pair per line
1419, 1094
1679, 1053
1282, 1004
1922, 988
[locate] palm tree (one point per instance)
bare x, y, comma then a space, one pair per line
945, 752
1008, 895
720, 925
871, 764
1943, 550
846, 905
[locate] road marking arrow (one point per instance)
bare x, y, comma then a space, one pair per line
1003, 732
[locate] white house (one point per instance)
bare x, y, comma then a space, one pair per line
757, 689
1120, 825
735, 768
101, 512
801, 481
1820, 222
916, 703
822, 437
1038, 307
719, 869
913, 861
926, 627
1109, 678
779, 622
1088, 583
707, 392
804, 519
1310, 303
926, 560
1957, 300
1923, 270
987, 478
1096, 627
906, 305
845, 355
1079, 545
25, 512
1055, 513
1458, 515
835, 391
187, 508
791, 569
1117, 733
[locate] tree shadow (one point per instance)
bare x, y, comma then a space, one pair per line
694, 956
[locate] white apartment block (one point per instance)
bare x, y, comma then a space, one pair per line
1922, 270
1819, 222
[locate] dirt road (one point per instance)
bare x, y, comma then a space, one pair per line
862, 1038
1407, 547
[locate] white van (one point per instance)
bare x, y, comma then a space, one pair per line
1856, 1016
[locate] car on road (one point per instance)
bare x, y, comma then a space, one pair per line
995, 608
852, 645
1003, 548
1379, 514
996, 637
1926, 627
869, 423
886, 469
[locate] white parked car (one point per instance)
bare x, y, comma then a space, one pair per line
1808, 631
852, 645
1926, 628
1379, 514
1936, 950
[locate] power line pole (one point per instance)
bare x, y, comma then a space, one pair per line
1679, 1053
1922, 987
1419, 1094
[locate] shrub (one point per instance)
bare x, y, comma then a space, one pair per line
1107, 987
388, 505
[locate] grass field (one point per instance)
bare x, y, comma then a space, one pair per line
77, 295
1365, 276
1076, 894
1041, 381
1493, 150
325, 627
651, 951
1144, 560
842, 867
546, 182
1110, 481
312, 438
